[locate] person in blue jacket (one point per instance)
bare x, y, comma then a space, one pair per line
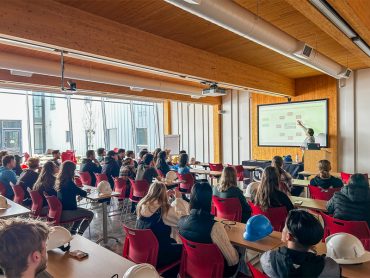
7, 175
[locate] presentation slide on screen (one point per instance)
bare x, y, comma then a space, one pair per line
277, 123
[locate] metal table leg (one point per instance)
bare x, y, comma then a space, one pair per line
105, 226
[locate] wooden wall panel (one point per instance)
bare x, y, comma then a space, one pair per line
310, 88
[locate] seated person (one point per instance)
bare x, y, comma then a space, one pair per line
155, 155
7, 175
142, 153
162, 163
101, 154
56, 157
28, 178
131, 155
91, 164
145, 171
228, 188
268, 194
2, 154
111, 167
201, 227
285, 179
67, 192
45, 182
121, 156
301, 232
324, 179
23, 247
18, 169
154, 212
127, 172
352, 202
183, 167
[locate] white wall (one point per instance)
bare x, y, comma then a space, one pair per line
354, 119
236, 127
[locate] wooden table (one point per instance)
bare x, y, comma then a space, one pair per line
95, 196
235, 234
309, 203
205, 172
14, 210
302, 183
100, 263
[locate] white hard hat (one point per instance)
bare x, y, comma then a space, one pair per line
171, 176
346, 249
3, 203
59, 236
250, 188
141, 271
104, 188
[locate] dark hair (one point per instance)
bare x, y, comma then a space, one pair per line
184, 159
266, 189
111, 153
142, 153
182, 151
100, 151
18, 159
148, 158
121, 151
65, 175
7, 159
127, 161
128, 153
55, 152
277, 161
90, 153
324, 168
310, 131
359, 180
304, 227
201, 196
46, 179
161, 158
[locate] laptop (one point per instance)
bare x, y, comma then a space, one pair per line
313, 146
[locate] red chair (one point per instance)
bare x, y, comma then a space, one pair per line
18, 193
319, 193
216, 167
359, 229
86, 178
138, 190
228, 208
78, 181
120, 186
141, 246
201, 260
276, 215
24, 166
239, 171
37, 203
255, 272
116, 150
2, 189
188, 183
160, 173
67, 156
346, 176
100, 177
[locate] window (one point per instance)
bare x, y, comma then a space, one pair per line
112, 138
52, 103
141, 138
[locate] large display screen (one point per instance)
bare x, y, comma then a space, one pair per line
277, 123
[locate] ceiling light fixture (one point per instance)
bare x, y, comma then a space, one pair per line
362, 45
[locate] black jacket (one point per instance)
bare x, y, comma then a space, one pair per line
88, 165
351, 203
326, 183
67, 195
27, 179
111, 169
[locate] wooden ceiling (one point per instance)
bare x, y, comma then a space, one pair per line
163, 19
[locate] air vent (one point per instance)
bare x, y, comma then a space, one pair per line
304, 51
307, 51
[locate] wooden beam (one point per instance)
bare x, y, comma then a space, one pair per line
217, 134
61, 26
104, 88
167, 117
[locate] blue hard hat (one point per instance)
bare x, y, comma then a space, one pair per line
258, 227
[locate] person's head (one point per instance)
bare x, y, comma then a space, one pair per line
228, 179
142, 153
182, 151
277, 162
359, 180
90, 154
18, 159
183, 160
130, 154
121, 153
162, 155
324, 168
113, 155
201, 197
302, 230
23, 246
269, 183
47, 176
101, 152
9, 161
157, 151
128, 161
2, 154
157, 194
56, 154
147, 159
65, 175
33, 163
310, 131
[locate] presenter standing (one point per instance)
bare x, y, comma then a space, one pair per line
309, 135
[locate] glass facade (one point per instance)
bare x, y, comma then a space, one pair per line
46, 121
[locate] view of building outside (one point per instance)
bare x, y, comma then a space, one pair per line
37, 122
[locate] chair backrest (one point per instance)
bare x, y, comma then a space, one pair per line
86, 178
346, 176
216, 167
37, 202
2, 189
319, 193
239, 171
138, 190
18, 194
201, 260
120, 185
228, 208
188, 183
67, 156
100, 177
255, 272
141, 246
55, 209
78, 181
359, 229
276, 215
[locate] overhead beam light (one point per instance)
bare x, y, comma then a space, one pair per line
362, 45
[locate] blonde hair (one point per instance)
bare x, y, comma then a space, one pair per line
157, 192
228, 179
324, 169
